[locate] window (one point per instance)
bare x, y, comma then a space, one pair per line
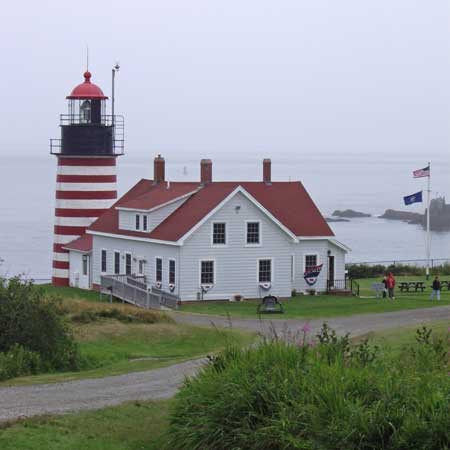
103, 259
141, 267
144, 223
265, 271
138, 222
253, 233
158, 270
219, 234
207, 272
116, 262
85, 112
85, 264
310, 261
171, 271
128, 263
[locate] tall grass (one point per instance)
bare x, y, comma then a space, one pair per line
327, 396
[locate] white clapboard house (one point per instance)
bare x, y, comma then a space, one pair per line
212, 240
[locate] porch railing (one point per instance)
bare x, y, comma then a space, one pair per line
347, 285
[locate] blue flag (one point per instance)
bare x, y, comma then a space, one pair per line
413, 198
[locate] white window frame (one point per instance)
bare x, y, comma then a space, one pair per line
260, 234
131, 263
200, 271
114, 262
162, 269
144, 222
101, 260
226, 234
317, 255
85, 264
168, 270
272, 270
138, 264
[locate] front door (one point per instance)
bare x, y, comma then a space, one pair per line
331, 271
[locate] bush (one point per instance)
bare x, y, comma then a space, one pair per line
356, 271
273, 397
18, 362
31, 326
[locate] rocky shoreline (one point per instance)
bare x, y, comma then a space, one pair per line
439, 215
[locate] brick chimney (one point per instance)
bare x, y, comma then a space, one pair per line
206, 171
267, 171
159, 169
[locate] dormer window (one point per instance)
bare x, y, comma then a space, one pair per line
145, 223
138, 222
85, 112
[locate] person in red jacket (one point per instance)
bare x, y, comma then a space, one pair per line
390, 284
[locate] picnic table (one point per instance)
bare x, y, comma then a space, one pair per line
408, 286
445, 284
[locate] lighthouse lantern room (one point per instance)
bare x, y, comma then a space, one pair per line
86, 178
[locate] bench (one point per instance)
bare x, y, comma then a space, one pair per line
270, 304
408, 286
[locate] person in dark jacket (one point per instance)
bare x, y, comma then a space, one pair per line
436, 292
384, 281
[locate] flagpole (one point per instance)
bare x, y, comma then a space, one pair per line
428, 248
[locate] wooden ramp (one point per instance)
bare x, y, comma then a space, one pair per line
134, 290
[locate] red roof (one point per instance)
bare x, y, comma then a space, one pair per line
82, 244
87, 90
161, 194
288, 202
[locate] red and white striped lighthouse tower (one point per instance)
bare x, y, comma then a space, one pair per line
86, 168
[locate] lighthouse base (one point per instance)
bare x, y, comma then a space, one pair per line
62, 282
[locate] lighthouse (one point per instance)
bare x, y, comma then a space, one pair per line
86, 153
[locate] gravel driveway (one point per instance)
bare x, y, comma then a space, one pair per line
162, 383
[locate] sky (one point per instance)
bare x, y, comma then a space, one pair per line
235, 78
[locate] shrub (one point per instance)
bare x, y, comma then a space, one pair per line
272, 397
17, 361
36, 326
356, 271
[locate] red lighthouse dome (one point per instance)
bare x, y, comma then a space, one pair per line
87, 90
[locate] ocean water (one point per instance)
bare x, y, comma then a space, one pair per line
335, 180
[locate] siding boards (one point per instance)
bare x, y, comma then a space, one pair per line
141, 250
236, 264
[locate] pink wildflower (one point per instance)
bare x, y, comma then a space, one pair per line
306, 328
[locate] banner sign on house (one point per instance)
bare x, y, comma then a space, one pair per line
311, 274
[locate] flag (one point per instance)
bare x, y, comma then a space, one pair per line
413, 198
425, 172
311, 274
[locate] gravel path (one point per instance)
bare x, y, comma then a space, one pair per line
356, 325
26, 401
57, 398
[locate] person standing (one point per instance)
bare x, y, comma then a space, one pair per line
390, 283
436, 292
384, 281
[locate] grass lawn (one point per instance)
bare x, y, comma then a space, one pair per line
394, 339
326, 306
111, 346
132, 426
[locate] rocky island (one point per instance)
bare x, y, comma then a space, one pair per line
349, 214
439, 215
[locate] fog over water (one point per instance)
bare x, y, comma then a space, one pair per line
347, 96
349, 181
